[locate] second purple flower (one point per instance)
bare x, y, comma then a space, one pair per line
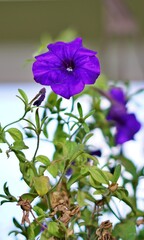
126, 123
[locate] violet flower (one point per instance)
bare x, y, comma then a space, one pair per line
66, 67
126, 123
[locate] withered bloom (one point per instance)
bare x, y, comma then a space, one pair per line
26, 207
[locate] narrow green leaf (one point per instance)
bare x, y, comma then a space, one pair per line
117, 173
71, 115
44, 120
24, 96
45, 130
79, 107
37, 119
17, 224
89, 114
100, 191
85, 126
87, 137
91, 157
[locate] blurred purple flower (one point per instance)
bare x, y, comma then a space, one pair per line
69, 172
66, 67
97, 153
126, 123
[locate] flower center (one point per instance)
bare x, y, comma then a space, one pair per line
70, 66
69, 69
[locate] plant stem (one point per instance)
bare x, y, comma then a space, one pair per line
37, 147
14, 122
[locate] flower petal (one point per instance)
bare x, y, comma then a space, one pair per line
70, 86
118, 95
64, 50
89, 68
127, 131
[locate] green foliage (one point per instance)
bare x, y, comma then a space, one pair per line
73, 188
125, 230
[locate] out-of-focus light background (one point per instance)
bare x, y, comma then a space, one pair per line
114, 28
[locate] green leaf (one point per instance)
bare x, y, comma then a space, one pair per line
87, 137
17, 224
19, 145
71, 115
100, 191
15, 134
81, 199
125, 231
79, 107
89, 114
29, 196
85, 126
27, 171
117, 173
31, 233
23, 95
0, 150
37, 119
53, 229
52, 98
39, 211
45, 130
98, 175
129, 166
91, 157
53, 169
74, 178
43, 159
41, 185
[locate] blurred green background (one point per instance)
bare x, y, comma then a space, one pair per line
115, 28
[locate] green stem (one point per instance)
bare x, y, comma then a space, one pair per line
14, 122
112, 211
37, 147
75, 132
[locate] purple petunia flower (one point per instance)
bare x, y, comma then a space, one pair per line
126, 123
66, 67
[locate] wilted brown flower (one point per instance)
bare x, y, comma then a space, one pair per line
26, 207
106, 225
104, 231
60, 203
113, 187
